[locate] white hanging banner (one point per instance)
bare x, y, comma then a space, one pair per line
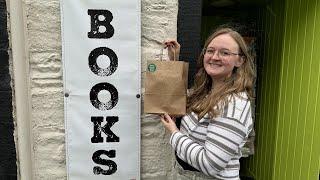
101, 61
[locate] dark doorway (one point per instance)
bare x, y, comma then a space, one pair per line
198, 19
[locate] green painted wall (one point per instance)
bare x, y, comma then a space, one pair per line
270, 42
288, 96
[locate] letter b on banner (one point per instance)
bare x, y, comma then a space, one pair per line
100, 24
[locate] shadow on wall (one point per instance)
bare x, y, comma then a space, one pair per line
8, 167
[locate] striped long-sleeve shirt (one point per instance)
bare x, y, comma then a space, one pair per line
213, 145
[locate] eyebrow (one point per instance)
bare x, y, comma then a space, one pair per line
219, 49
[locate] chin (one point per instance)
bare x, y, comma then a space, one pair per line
217, 75
213, 74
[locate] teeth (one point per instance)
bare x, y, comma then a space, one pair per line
214, 64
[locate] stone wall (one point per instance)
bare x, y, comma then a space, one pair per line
159, 22
43, 44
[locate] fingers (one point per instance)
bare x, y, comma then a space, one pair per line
173, 49
168, 123
166, 118
163, 119
171, 43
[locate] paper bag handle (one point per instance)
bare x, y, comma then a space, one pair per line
174, 54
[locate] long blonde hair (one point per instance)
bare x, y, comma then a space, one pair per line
203, 100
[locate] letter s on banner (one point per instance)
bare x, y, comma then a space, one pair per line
112, 166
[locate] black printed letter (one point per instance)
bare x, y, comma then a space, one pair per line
94, 96
112, 166
97, 129
100, 18
94, 54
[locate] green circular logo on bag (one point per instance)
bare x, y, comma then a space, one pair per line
152, 67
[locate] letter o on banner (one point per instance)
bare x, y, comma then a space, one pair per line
94, 54
94, 96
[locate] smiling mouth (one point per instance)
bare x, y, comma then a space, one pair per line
215, 64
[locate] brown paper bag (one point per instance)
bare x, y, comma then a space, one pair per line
166, 87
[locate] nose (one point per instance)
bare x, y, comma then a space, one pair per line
215, 55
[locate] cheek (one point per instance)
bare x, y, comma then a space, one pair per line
231, 64
205, 59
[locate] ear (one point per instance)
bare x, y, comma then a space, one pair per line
239, 61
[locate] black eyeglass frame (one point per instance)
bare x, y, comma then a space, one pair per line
204, 50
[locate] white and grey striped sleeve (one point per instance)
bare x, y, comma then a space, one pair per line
223, 140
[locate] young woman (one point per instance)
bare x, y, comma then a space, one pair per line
218, 119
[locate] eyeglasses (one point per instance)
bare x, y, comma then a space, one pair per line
221, 53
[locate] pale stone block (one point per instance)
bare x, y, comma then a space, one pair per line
49, 153
43, 25
47, 108
46, 65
